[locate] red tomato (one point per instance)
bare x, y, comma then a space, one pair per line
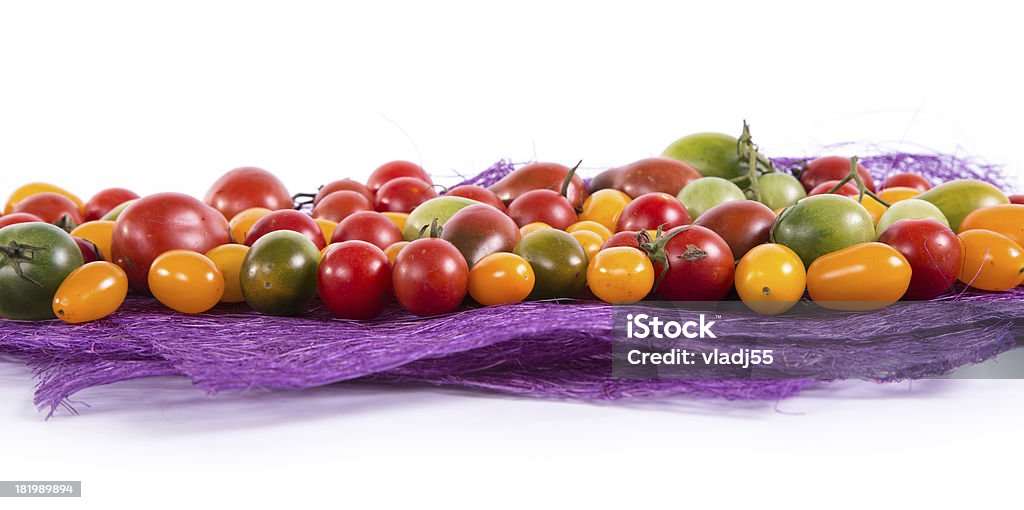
545, 206
51, 207
102, 202
479, 230
393, 170
403, 194
90, 253
288, 219
742, 224
655, 175
832, 168
158, 223
700, 265
342, 185
848, 190
1017, 199
478, 193
933, 251
340, 204
907, 180
624, 238
430, 277
533, 176
15, 218
368, 226
354, 280
245, 188
648, 212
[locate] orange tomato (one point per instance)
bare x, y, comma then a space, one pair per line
874, 207
770, 279
620, 274
186, 281
398, 218
242, 222
392, 251
327, 227
90, 293
592, 226
533, 227
99, 232
228, 259
1006, 219
590, 241
500, 278
866, 276
604, 207
39, 187
898, 194
992, 261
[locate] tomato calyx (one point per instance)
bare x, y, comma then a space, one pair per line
693, 253
656, 250
433, 230
564, 191
66, 223
15, 253
757, 164
854, 176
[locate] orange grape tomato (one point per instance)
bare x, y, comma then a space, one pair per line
392, 251
327, 228
604, 207
98, 232
39, 187
590, 241
186, 281
90, 293
228, 259
620, 274
242, 222
899, 194
529, 228
874, 208
865, 276
592, 226
770, 279
992, 261
398, 218
500, 278
1006, 219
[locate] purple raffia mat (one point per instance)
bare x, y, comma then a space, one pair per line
538, 349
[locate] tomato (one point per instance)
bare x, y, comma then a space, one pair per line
99, 233
245, 188
707, 192
1007, 219
650, 175
545, 206
847, 190
90, 253
393, 250
478, 193
893, 195
354, 280
394, 170
652, 211
480, 230
530, 228
957, 199
15, 218
992, 261
1016, 199
549, 176
604, 207
558, 261
242, 223
228, 259
52, 208
692, 263
90, 293
342, 185
430, 277
911, 208
39, 187
340, 204
115, 213
501, 278
832, 168
866, 276
779, 190
770, 279
279, 274
372, 227
711, 154
440, 208
327, 228
933, 252
186, 281
403, 194
822, 224
158, 223
620, 275
742, 224
907, 180
874, 208
101, 203
592, 226
397, 218
35, 258
590, 241
288, 219
624, 238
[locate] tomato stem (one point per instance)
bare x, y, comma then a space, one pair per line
854, 176
568, 179
745, 147
655, 249
434, 229
16, 253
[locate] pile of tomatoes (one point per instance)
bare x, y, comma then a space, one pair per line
710, 219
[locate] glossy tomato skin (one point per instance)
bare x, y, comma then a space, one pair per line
541, 175
186, 281
15, 218
501, 278
279, 274
558, 261
339, 205
45, 255
393, 170
228, 259
480, 230
342, 185
103, 202
624, 238
403, 194
770, 279
862, 277
1017, 199
99, 233
33, 188
848, 189
247, 187
907, 180
1006, 219
371, 227
162, 222
651, 211
478, 193
605, 206
992, 261
90, 293
700, 266
430, 277
832, 168
545, 206
51, 207
620, 275
90, 253
288, 219
743, 224
655, 175
933, 252
354, 280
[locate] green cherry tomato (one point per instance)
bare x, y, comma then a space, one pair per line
558, 261
779, 189
707, 192
957, 199
441, 208
712, 154
279, 273
910, 208
822, 224
35, 258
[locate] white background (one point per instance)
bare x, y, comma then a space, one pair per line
167, 97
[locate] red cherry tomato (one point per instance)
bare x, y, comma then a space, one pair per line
742, 224
654, 175
393, 170
430, 277
848, 190
15, 218
624, 238
648, 212
907, 180
934, 252
245, 188
102, 202
368, 226
533, 176
288, 219
51, 207
1016, 199
90, 253
403, 194
354, 280
545, 206
342, 185
159, 223
478, 193
479, 230
340, 204
832, 168
700, 265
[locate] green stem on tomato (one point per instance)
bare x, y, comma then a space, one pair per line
862, 189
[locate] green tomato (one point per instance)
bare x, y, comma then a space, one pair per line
559, 263
712, 154
957, 199
707, 192
441, 208
822, 224
278, 275
779, 189
115, 213
909, 209
35, 258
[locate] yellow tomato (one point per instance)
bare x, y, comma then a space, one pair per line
533, 227
620, 275
992, 261
90, 293
243, 222
874, 208
98, 232
186, 281
327, 227
398, 218
590, 241
770, 279
228, 259
392, 251
592, 226
604, 207
866, 276
893, 195
1006, 219
39, 187
500, 278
